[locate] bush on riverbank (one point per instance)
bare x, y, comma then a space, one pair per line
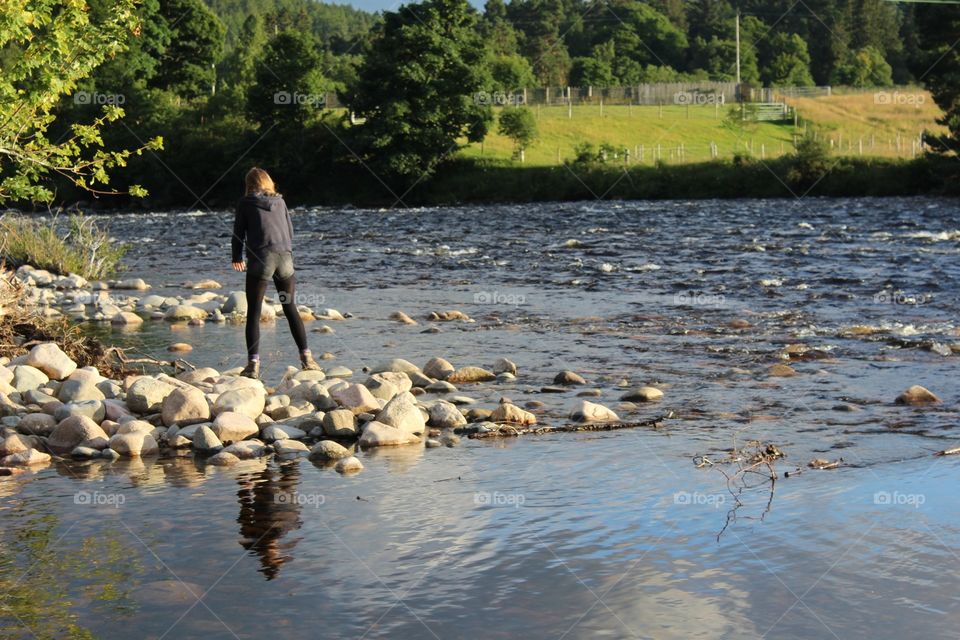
80, 246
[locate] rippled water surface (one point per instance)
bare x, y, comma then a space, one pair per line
610, 534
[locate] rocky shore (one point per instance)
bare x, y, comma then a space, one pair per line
52, 409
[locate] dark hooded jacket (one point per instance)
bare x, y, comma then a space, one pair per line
262, 224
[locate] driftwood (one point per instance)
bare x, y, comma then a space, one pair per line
516, 430
178, 364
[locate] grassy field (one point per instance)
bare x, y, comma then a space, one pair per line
876, 119
872, 119
651, 127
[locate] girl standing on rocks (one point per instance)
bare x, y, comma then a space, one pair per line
264, 231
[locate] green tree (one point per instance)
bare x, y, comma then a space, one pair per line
790, 66
597, 70
289, 87
239, 70
864, 67
187, 65
939, 64
47, 48
518, 124
511, 72
542, 42
417, 87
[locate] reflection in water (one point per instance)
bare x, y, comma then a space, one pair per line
269, 509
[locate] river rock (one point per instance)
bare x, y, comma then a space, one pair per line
126, 318
180, 347
438, 368
179, 442
202, 284
93, 409
328, 450
74, 431
568, 377
184, 406
236, 302
26, 377
340, 423
79, 391
248, 449
781, 371
184, 312
40, 424
290, 447
378, 434
502, 365
350, 464
85, 452
223, 459
399, 380
248, 401
134, 444
355, 397
445, 415
916, 396
511, 413
402, 413
135, 426
28, 458
400, 316
448, 316
146, 394
230, 426
470, 374
380, 388
198, 375
642, 394
440, 386
592, 412
398, 365
204, 439
14, 444
51, 359
276, 432
133, 284
338, 371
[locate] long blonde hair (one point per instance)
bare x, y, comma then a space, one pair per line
259, 181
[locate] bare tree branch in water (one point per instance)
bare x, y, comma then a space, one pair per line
746, 469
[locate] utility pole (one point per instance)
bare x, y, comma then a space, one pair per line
737, 31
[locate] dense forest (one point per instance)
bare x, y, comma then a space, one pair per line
230, 83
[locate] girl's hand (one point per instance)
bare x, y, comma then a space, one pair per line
239, 266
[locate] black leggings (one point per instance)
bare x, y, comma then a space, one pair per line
256, 289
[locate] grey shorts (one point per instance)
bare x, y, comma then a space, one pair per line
271, 265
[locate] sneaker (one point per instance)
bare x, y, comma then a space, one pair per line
252, 370
307, 363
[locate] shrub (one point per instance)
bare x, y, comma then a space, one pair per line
80, 246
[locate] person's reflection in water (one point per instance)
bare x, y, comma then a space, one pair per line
269, 509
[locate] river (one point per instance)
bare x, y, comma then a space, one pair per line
609, 534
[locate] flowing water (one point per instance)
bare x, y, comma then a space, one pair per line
608, 534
